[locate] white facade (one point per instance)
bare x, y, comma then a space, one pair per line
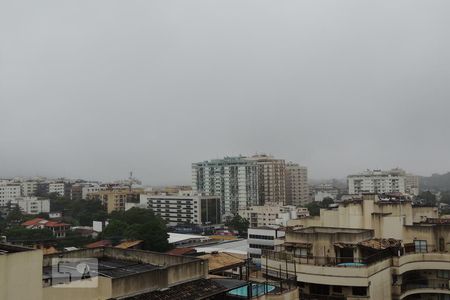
93, 188
323, 191
56, 188
412, 183
28, 188
233, 179
32, 205
263, 238
272, 215
376, 181
297, 189
9, 192
184, 209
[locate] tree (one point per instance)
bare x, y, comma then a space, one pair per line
15, 216
445, 197
28, 235
115, 230
313, 208
326, 202
138, 224
240, 224
428, 198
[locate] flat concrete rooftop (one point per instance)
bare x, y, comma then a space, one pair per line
8, 249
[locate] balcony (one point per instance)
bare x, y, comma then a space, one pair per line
424, 286
326, 270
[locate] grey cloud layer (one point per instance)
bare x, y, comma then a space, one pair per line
98, 88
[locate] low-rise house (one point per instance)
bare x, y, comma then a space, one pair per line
58, 229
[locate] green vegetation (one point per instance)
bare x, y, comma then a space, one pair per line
79, 212
436, 182
427, 198
138, 224
315, 206
239, 224
20, 234
445, 197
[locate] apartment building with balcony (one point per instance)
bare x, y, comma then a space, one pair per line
297, 188
233, 179
28, 188
32, 205
241, 181
8, 192
115, 199
377, 181
377, 247
271, 179
272, 215
185, 207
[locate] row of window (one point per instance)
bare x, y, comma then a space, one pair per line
261, 237
265, 247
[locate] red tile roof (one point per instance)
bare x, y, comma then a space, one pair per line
101, 243
33, 222
55, 224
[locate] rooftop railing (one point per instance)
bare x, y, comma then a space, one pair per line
353, 262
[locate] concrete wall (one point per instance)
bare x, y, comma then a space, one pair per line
102, 292
420, 212
142, 282
21, 275
174, 270
380, 282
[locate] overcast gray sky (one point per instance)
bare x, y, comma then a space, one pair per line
95, 89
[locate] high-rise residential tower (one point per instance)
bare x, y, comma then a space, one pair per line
241, 181
297, 189
271, 179
233, 179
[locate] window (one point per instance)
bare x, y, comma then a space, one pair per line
261, 237
420, 246
359, 291
255, 246
443, 274
337, 289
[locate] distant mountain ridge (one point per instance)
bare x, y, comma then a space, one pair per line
436, 182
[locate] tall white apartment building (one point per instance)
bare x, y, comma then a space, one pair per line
377, 181
28, 188
57, 188
297, 189
8, 192
32, 205
184, 208
412, 184
233, 179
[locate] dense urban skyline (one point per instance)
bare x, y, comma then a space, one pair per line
94, 90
